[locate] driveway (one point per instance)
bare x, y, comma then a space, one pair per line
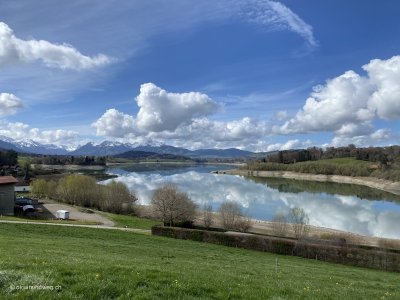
75, 214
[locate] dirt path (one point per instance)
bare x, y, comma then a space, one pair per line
76, 225
75, 214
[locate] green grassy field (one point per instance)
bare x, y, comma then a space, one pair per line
84, 263
340, 161
131, 221
336, 166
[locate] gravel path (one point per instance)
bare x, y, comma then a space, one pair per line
75, 214
76, 225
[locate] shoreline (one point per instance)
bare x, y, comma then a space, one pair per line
175, 163
376, 183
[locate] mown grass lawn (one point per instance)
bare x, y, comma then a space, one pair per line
131, 221
105, 264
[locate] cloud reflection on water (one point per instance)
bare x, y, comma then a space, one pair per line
347, 213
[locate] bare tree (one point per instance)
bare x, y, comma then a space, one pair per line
173, 206
233, 217
230, 212
207, 215
299, 220
244, 223
280, 225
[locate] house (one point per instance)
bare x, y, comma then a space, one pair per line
7, 195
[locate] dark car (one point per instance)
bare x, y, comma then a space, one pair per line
24, 206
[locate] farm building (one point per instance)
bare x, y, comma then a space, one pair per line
7, 195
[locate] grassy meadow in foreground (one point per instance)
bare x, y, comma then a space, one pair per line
91, 263
131, 221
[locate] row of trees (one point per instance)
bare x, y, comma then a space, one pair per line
69, 160
383, 155
84, 191
319, 167
8, 157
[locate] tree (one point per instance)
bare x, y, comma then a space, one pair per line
40, 188
233, 217
299, 219
117, 198
207, 215
173, 206
280, 225
8, 157
78, 190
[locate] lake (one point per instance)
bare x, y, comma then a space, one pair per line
346, 207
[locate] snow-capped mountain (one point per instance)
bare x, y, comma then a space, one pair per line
109, 148
103, 149
30, 146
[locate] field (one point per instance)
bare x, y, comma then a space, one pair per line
84, 263
131, 221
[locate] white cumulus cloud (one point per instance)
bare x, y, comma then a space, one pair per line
161, 110
114, 124
180, 118
15, 50
367, 139
21, 131
9, 104
340, 102
385, 75
348, 104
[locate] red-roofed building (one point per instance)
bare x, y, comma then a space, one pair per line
7, 195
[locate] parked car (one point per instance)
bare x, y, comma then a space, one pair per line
24, 206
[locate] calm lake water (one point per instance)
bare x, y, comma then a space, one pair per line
353, 208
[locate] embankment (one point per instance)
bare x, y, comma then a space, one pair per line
381, 184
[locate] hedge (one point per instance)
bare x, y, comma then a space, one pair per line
312, 249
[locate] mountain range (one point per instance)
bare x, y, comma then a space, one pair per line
108, 148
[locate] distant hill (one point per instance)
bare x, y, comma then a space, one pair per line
109, 148
164, 149
133, 154
220, 153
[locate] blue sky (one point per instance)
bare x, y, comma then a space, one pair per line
253, 74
